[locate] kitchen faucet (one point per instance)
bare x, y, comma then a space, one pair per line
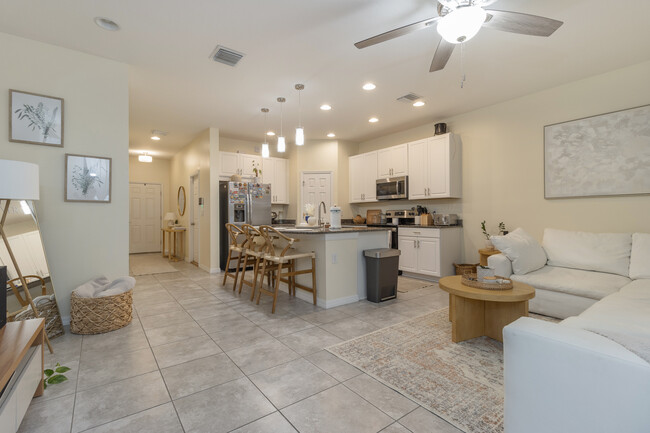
320, 220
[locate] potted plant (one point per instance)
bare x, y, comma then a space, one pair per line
488, 242
258, 172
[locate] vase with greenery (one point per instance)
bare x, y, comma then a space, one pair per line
257, 171
488, 241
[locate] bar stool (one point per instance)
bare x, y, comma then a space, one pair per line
237, 240
278, 262
253, 252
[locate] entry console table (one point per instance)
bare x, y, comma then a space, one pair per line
21, 370
176, 236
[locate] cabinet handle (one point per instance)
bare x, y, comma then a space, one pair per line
414, 244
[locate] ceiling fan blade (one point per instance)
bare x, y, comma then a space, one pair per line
524, 24
443, 53
396, 33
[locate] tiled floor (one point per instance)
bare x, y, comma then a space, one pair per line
200, 358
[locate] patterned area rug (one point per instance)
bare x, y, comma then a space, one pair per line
462, 383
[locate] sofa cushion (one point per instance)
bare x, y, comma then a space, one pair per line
525, 253
602, 252
637, 289
594, 285
640, 257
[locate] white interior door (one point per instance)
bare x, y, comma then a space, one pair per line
316, 188
195, 216
145, 216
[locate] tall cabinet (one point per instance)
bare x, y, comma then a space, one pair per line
435, 167
276, 172
363, 177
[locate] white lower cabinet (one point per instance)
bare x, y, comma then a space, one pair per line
429, 251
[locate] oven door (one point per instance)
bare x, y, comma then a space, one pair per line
392, 188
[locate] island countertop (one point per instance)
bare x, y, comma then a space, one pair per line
291, 229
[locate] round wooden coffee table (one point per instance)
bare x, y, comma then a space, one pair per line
477, 312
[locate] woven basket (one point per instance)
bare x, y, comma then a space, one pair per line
47, 310
99, 315
465, 268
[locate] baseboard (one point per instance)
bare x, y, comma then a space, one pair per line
420, 277
210, 270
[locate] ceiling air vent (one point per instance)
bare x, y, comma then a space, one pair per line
409, 98
226, 56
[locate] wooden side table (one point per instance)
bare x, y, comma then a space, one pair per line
174, 254
484, 253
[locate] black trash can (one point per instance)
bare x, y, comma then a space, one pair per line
382, 265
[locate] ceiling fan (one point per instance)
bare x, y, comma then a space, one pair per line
460, 20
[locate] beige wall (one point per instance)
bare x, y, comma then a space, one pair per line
158, 171
227, 144
82, 240
198, 156
503, 160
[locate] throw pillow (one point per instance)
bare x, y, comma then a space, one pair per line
640, 258
525, 253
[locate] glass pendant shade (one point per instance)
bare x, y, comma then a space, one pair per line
300, 136
281, 145
462, 24
265, 150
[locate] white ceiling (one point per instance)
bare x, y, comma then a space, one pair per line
175, 87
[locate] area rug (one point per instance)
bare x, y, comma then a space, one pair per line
404, 284
460, 382
147, 264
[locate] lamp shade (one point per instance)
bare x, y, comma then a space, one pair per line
461, 24
18, 180
169, 216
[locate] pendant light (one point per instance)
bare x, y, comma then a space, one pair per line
300, 131
145, 157
281, 143
265, 145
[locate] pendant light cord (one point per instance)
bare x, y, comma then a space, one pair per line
462, 65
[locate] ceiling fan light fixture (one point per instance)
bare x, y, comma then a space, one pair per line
462, 24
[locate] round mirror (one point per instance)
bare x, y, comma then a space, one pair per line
181, 201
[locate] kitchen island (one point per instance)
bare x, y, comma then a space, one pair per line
340, 264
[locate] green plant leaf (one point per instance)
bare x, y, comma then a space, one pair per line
49, 372
57, 378
44, 385
62, 369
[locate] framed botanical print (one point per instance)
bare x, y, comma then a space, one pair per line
35, 119
87, 178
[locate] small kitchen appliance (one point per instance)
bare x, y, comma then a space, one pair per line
392, 188
335, 217
401, 217
440, 219
440, 128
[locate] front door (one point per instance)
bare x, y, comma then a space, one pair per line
144, 217
316, 188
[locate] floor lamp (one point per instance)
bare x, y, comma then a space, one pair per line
18, 181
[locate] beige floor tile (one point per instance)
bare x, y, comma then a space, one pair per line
153, 310
159, 419
274, 423
336, 410
184, 351
382, 397
382, 318
165, 319
103, 404
325, 316
200, 374
100, 368
243, 335
310, 340
281, 327
333, 365
223, 408
48, 416
423, 421
262, 356
291, 382
126, 339
349, 328
395, 428
170, 334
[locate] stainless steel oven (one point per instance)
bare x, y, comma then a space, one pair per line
392, 188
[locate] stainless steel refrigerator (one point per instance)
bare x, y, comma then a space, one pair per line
241, 203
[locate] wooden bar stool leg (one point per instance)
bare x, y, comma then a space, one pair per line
313, 277
239, 260
225, 273
277, 287
259, 294
243, 273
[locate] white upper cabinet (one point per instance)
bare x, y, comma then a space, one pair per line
363, 177
393, 161
276, 172
435, 167
238, 163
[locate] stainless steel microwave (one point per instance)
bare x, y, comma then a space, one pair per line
392, 188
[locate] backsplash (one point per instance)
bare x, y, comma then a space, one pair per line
444, 206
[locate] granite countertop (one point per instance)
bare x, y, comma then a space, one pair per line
317, 230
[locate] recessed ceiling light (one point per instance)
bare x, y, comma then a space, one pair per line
418, 103
331, 135
107, 24
373, 120
270, 133
325, 107
155, 137
369, 86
